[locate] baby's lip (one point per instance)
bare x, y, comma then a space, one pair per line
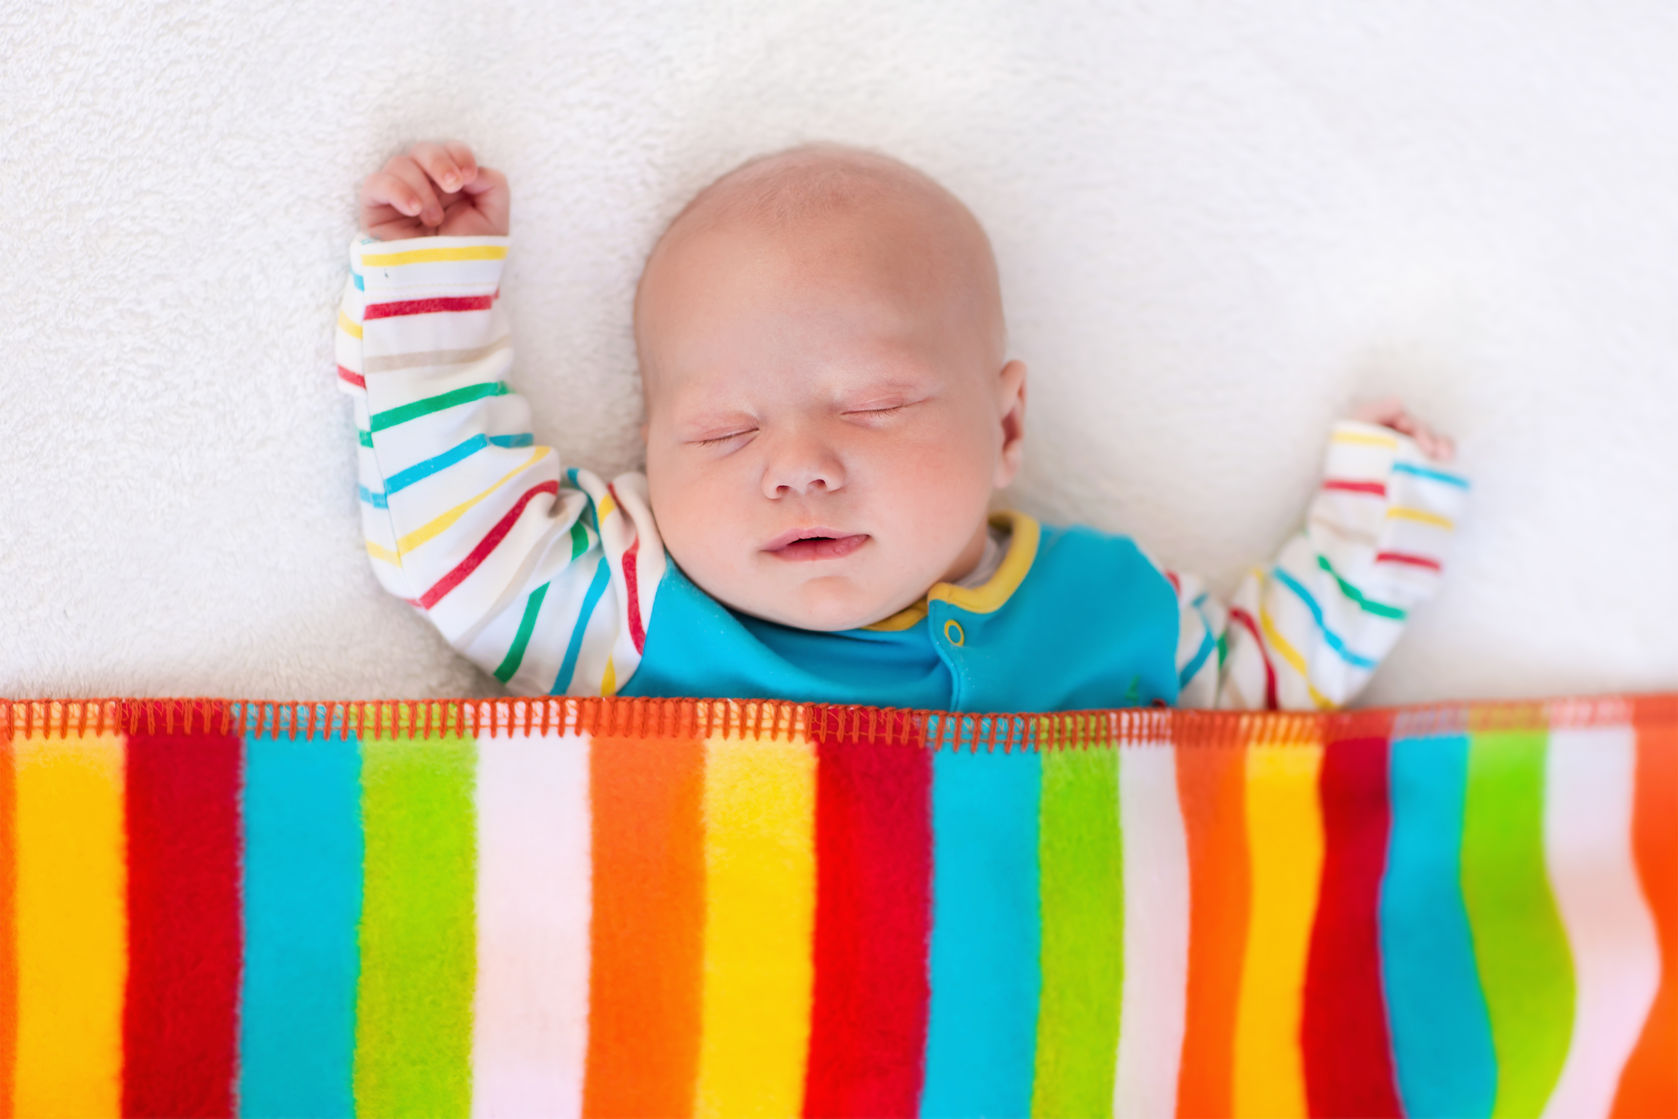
788, 537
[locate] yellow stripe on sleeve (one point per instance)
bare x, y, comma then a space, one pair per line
1421, 515
432, 256
1291, 655
1366, 438
439, 523
348, 326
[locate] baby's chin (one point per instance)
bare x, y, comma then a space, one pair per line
819, 609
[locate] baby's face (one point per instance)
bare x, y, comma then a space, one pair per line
838, 376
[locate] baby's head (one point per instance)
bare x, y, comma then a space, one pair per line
821, 345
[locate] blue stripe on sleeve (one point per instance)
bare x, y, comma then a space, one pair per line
1206, 646
596, 588
1435, 475
1333, 640
402, 479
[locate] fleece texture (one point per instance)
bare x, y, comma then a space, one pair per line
693, 907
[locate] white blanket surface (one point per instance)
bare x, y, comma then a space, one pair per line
1218, 226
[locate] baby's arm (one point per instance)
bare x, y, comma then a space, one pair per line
1307, 631
539, 576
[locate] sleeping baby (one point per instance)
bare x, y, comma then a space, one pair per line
830, 411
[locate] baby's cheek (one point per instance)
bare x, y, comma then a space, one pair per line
707, 529
945, 462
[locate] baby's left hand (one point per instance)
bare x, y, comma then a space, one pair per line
1390, 412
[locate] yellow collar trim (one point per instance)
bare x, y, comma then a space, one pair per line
989, 595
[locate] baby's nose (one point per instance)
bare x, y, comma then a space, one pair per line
798, 466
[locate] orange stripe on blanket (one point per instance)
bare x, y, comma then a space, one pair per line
647, 924
1649, 1084
1211, 784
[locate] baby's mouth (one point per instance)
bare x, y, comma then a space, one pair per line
820, 547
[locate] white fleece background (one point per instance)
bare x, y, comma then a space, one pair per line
1217, 226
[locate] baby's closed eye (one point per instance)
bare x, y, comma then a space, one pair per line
748, 431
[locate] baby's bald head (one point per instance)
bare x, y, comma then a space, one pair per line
821, 347
786, 194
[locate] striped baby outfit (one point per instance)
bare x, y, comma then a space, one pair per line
557, 581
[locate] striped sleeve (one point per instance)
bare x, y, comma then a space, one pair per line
540, 575
1307, 631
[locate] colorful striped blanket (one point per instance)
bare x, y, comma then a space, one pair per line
721, 907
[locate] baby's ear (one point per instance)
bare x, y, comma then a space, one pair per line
1013, 422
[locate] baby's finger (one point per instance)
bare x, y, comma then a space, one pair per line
384, 189
430, 210
1382, 411
437, 163
463, 159
486, 179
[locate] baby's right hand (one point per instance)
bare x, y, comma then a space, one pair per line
434, 189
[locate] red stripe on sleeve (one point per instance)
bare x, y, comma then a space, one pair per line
485, 546
1404, 557
1378, 489
352, 377
637, 632
1176, 588
1343, 1030
179, 1024
1237, 614
873, 905
427, 306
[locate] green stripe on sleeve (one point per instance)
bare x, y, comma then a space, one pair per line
390, 417
515, 655
1370, 606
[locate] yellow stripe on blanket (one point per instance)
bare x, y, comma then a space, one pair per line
72, 935
760, 898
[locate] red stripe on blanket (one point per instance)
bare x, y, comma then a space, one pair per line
484, 547
1649, 1082
873, 899
1376, 489
1343, 1031
1211, 788
179, 1024
427, 306
646, 796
